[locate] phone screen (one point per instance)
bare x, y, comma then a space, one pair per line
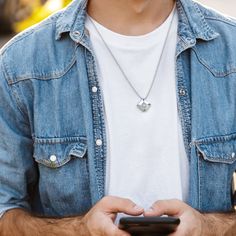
149, 226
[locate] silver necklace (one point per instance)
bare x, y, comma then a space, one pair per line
143, 104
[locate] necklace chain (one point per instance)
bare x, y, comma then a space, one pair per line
143, 105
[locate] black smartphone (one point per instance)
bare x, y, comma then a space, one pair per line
149, 226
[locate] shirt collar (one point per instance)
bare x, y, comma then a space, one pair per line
72, 20
192, 23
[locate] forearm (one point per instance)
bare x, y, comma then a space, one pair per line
219, 224
20, 223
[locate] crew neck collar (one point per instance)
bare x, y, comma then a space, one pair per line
121, 40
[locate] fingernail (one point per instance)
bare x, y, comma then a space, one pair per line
138, 208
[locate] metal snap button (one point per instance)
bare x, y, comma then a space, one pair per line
76, 33
94, 89
233, 154
182, 92
99, 142
53, 158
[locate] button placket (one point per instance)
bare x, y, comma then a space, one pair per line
98, 123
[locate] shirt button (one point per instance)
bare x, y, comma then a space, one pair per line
233, 154
53, 158
182, 92
94, 89
76, 33
99, 142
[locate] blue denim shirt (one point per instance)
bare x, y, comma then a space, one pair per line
51, 118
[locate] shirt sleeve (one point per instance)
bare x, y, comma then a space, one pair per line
17, 169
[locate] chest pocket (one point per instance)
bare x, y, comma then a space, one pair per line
216, 165
63, 175
218, 151
56, 152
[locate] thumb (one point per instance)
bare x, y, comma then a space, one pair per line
166, 207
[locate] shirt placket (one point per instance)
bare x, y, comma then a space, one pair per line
99, 130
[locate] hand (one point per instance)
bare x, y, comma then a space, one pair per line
192, 222
99, 221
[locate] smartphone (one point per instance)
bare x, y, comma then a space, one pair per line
149, 226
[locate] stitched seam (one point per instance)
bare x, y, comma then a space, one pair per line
203, 18
58, 140
15, 96
214, 73
183, 12
216, 139
49, 77
219, 159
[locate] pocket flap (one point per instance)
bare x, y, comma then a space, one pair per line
55, 152
218, 149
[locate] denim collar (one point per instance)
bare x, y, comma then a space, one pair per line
72, 20
192, 23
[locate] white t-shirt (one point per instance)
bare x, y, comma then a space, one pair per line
146, 159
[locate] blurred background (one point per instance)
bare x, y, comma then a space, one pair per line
17, 15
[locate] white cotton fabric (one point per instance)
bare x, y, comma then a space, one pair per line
146, 158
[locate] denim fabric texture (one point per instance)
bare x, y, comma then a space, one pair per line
52, 129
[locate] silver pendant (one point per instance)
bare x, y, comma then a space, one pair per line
143, 105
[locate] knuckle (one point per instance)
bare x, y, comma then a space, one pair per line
105, 199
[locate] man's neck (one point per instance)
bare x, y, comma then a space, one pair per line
130, 17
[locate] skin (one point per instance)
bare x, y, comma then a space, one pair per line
193, 222
97, 222
128, 17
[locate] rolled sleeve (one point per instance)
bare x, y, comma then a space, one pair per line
17, 170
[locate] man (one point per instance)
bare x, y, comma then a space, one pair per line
133, 99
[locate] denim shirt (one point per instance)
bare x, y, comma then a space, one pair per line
52, 129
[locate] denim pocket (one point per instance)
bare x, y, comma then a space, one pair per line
56, 152
63, 175
221, 149
216, 165
218, 66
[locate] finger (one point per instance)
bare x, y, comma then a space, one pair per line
117, 204
166, 207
